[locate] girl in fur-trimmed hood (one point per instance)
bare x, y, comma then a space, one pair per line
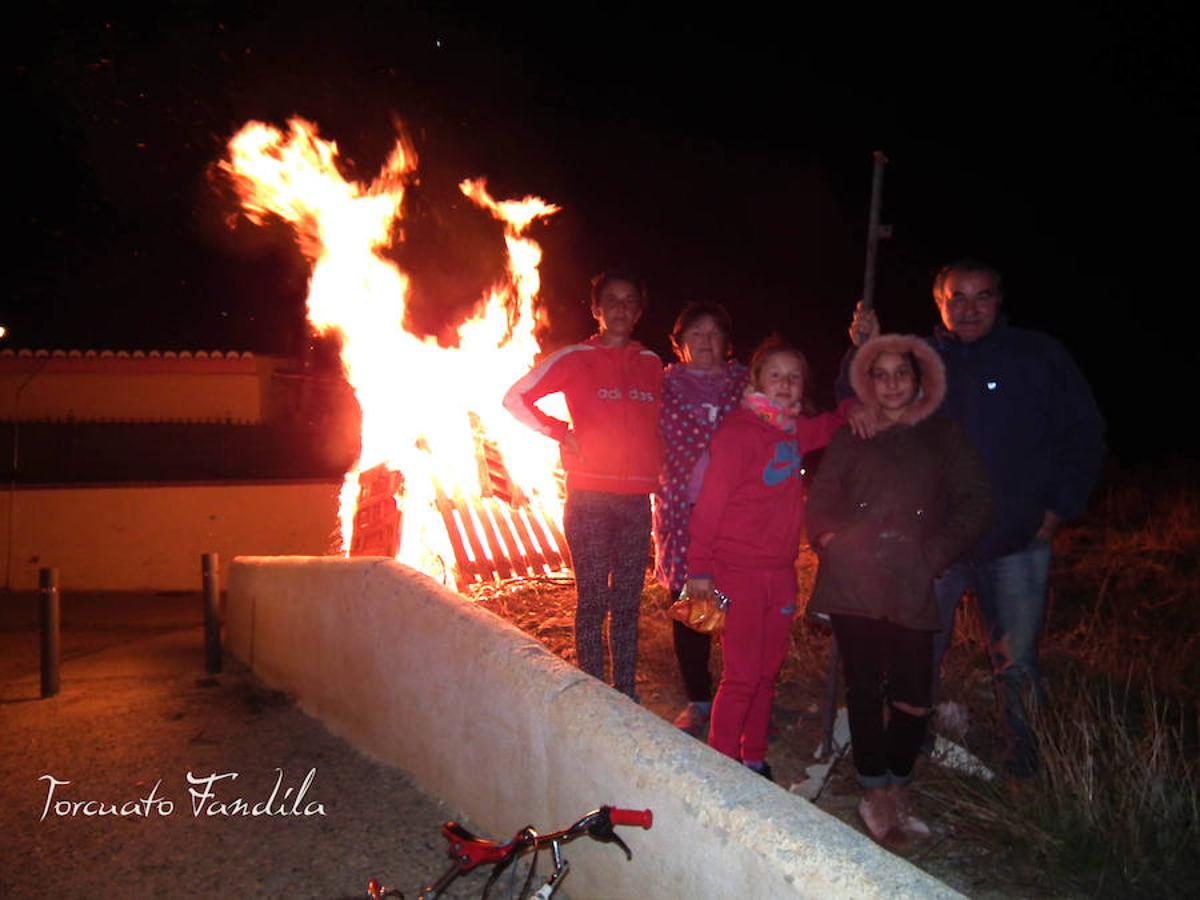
887, 514
923, 362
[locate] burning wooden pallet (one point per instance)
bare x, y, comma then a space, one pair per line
493, 539
500, 534
377, 516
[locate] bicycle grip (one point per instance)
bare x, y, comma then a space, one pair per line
643, 818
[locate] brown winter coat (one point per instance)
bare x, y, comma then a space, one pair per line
901, 506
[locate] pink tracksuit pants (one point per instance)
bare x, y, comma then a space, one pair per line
754, 645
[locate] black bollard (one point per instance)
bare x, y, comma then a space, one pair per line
209, 568
51, 622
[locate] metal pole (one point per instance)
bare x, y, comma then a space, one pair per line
829, 712
875, 231
209, 572
51, 623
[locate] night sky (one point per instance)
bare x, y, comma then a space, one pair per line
723, 155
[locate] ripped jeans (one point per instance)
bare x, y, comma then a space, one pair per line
875, 653
1012, 601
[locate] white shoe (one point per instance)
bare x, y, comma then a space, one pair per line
911, 826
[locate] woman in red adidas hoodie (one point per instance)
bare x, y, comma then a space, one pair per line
744, 536
611, 452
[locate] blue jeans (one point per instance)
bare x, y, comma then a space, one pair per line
1011, 591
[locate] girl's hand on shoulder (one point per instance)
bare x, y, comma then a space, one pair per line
570, 445
699, 587
862, 421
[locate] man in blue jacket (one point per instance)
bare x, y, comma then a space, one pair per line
1027, 408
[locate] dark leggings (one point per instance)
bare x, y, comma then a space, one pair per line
609, 537
881, 659
692, 649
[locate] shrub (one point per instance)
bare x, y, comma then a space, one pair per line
1115, 810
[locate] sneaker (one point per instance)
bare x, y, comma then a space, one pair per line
763, 768
911, 826
694, 720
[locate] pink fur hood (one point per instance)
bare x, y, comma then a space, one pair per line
933, 373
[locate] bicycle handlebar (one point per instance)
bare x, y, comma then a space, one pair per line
642, 818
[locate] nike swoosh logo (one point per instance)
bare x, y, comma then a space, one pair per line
783, 465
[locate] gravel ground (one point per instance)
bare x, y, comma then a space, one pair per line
136, 714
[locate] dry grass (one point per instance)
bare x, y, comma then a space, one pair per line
1115, 811
543, 608
1126, 581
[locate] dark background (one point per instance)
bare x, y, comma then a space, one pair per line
724, 155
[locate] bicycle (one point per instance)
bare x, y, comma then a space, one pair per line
468, 851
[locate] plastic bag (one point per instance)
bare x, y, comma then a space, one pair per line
704, 614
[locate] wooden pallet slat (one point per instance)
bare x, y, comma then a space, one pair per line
515, 556
498, 557
560, 541
464, 570
549, 553
533, 553
484, 565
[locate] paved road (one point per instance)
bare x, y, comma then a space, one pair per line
137, 714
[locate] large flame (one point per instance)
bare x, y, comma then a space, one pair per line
417, 397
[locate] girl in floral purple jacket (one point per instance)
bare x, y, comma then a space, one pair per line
698, 392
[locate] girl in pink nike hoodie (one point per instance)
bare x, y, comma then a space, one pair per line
744, 536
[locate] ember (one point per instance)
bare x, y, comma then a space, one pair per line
481, 494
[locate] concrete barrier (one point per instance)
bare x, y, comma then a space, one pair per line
487, 719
